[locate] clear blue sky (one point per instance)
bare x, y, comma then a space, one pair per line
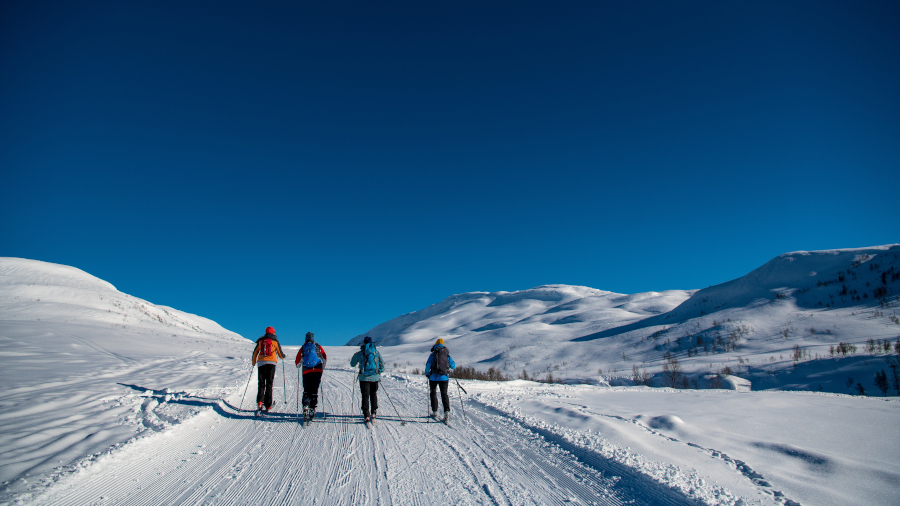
328, 166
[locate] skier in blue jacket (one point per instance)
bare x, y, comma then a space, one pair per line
438, 368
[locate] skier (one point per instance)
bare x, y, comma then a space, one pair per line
312, 359
266, 354
370, 368
438, 369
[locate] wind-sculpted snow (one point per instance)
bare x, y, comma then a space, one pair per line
771, 447
87, 368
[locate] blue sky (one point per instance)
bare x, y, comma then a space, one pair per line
328, 168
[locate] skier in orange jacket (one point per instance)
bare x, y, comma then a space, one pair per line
266, 354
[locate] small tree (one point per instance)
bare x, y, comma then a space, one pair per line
639, 376
894, 364
881, 382
870, 346
672, 372
860, 389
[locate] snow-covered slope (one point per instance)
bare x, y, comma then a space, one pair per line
86, 367
489, 315
31, 290
774, 327
808, 279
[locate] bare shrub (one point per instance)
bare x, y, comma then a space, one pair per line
492, 374
673, 375
640, 376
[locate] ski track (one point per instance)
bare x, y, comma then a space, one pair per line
227, 456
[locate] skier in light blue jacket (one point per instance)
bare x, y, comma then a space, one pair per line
370, 368
438, 368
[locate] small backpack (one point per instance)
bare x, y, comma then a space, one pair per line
370, 360
311, 356
440, 361
266, 348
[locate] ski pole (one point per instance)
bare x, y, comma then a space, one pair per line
459, 387
246, 387
298, 393
402, 421
324, 415
428, 396
284, 381
353, 399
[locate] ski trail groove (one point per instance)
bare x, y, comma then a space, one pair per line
226, 456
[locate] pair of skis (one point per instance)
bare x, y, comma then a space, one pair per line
441, 420
308, 416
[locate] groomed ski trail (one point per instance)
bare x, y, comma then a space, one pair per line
226, 456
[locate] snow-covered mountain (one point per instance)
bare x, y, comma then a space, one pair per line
500, 315
776, 327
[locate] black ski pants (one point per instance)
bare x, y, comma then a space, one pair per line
369, 391
445, 399
311, 382
266, 378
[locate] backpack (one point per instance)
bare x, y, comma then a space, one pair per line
440, 361
266, 348
311, 356
370, 360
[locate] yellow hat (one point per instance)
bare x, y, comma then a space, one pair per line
439, 341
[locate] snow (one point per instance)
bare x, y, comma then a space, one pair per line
110, 399
86, 368
810, 301
811, 448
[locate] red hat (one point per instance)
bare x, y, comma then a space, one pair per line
270, 330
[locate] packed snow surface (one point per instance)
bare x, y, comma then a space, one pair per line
110, 399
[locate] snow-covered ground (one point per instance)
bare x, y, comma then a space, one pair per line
809, 448
86, 367
109, 399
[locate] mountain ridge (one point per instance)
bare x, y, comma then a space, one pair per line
777, 327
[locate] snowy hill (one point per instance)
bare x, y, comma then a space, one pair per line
776, 327
31, 290
86, 367
493, 315
807, 279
